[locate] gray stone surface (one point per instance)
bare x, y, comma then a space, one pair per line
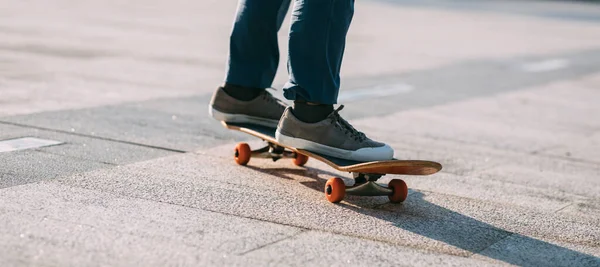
190, 181
27, 166
92, 148
457, 226
100, 227
8, 131
587, 149
175, 123
435, 125
467, 80
521, 251
316, 247
574, 178
44, 223
75, 154
589, 208
563, 10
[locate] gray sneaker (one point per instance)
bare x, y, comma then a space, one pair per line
332, 136
265, 110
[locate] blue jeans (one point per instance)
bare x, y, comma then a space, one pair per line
317, 39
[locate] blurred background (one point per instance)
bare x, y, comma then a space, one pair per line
73, 54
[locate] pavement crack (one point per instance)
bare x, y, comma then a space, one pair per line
544, 149
272, 243
576, 160
75, 157
566, 206
93, 137
498, 241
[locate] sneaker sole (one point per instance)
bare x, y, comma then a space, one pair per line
241, 118
363, 154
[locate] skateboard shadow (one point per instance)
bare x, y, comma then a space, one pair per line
316, 183
427, 219
419, 216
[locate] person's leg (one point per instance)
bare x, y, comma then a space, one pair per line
252, 65
317, 42
316, 47
253, 47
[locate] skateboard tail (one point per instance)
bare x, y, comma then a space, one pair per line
427, 168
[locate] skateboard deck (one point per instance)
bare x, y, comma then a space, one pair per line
365, 172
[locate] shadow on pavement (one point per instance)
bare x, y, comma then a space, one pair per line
421, 217
427, 219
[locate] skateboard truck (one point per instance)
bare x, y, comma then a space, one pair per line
361, 178
272, 151
369, 189
365, 185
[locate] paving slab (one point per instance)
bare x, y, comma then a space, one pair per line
92, 148
585, 149
28, 92
436, 125
456, 157
28, 166
585, 208
50, 224
487, 133
485, 173
522, 251
540, 108
507, 176
563, 176
510, 130
244, 192
440, 223
579, 11
423, 51
518, 220
179, 124
507, 193
111, 56
75, 154
525, 120
8, 131
317, 248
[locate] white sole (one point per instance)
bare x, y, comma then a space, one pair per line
241, 118
363, 154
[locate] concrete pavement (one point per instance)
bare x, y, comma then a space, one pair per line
505, 100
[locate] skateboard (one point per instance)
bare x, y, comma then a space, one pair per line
365, 173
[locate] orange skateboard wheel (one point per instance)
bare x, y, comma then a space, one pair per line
399, 189
300, 159
335, 190
242, 154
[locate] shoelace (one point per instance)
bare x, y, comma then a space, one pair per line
270, 98
336, 120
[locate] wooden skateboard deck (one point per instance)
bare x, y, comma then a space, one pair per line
365, 172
